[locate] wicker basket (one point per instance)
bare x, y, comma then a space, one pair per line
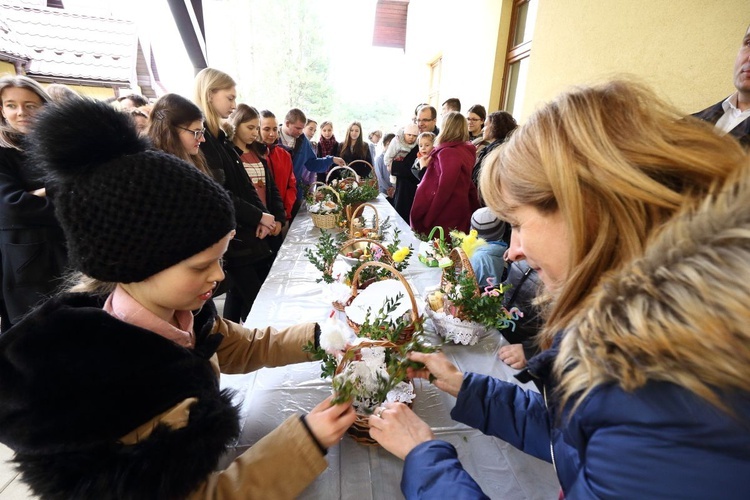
373, 180
346, 180
454, 325
460, 263
408, 332
352, 214
325, 221
360, 429
421, 256
387, 258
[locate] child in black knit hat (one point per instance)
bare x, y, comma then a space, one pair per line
116, 395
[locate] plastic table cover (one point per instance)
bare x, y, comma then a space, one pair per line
267, 397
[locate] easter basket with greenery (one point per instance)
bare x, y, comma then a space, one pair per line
459, 310
325, 207
434, 251
362, 301
357, 225
370, 367
353, 190
354, 252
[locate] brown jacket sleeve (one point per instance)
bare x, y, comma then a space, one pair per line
279, 466
244, 350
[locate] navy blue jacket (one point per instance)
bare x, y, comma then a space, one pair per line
660, 441
305, 162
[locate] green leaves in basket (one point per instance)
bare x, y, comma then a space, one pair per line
360, 194
384, 328
323, 255
376, 327
486, 309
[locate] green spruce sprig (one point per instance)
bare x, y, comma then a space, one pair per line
486, 309
376, 327
323, 255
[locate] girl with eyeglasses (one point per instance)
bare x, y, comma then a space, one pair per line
32, 244
475, 118
176, 127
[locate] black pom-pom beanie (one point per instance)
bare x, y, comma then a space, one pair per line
127, 212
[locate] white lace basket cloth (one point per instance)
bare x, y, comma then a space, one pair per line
456, 330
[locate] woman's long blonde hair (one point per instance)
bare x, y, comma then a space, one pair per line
208, 81
679, 314
617, 162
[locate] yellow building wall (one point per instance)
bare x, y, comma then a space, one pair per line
94, 92
466, 36
684, 49
7, 68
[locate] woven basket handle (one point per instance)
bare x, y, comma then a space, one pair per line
322, 185
357, 211
372, 169
328, 177
460, 263
393, 271
374, 179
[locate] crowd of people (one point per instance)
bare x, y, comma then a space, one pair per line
633, 220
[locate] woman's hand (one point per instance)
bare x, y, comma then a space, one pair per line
424, 162
398, 429
262, 231
267, 220
513, 356
328, 422
448, 378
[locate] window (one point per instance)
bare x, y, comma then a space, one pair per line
523, 20
436, 73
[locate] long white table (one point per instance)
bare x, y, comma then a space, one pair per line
355, 471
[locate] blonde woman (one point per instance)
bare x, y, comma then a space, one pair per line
248, 258
446, 196
638, 224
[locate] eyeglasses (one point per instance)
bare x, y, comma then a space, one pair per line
474, 119
426, 120
197, 134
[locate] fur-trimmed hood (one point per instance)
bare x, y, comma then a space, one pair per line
680, 313
64, 408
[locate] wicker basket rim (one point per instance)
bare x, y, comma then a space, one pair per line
398, 275
322, 185
351, 214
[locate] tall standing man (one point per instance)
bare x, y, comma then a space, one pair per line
732, 115
304, 160
406, 186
